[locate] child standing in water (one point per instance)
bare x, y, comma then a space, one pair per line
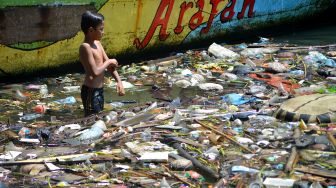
94, 60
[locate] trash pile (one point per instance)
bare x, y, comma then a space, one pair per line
245, 115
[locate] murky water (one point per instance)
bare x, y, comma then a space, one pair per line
320, 35
138, 95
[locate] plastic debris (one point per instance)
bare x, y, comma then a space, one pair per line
245, 115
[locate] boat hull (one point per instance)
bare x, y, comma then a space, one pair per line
44, 36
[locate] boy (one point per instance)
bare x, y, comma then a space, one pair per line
94, 60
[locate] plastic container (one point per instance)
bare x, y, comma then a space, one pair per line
27, 133
278, 183
221, 52
100, 124
91, 134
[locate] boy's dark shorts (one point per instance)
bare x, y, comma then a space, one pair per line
93, 100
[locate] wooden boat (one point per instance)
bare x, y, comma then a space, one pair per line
40, 35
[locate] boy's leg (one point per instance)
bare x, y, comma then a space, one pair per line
86, 95
98, 100
93, 100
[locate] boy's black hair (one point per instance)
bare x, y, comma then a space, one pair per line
91, 19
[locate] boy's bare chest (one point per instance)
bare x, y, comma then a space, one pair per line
97, 55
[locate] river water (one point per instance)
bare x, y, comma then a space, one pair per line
321, 35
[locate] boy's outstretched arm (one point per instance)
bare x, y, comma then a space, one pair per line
112, 69
115, 75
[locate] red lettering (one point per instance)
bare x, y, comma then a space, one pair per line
197, 16
228, 9
212, 15
184, 7
250, 4
158, 21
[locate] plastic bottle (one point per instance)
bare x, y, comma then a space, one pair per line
71, 88
297, 72
116, 104
68, 100
175, 103
96, 131
204, 72
263, 40
146, 136
153, 68
316, 185
44, 90
212, 153
126, 153
164, 183
28, 117
243, 169
111, 117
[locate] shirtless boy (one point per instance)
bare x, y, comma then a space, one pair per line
94, 60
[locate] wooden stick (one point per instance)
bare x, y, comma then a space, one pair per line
94, 161
177, 177
324, 173
187, 141
292, 160
202, 169
151, 123
332, 139
225, 136
308, 47
142, 174
64, 159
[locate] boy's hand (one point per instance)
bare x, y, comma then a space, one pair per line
120, 89
113, 63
